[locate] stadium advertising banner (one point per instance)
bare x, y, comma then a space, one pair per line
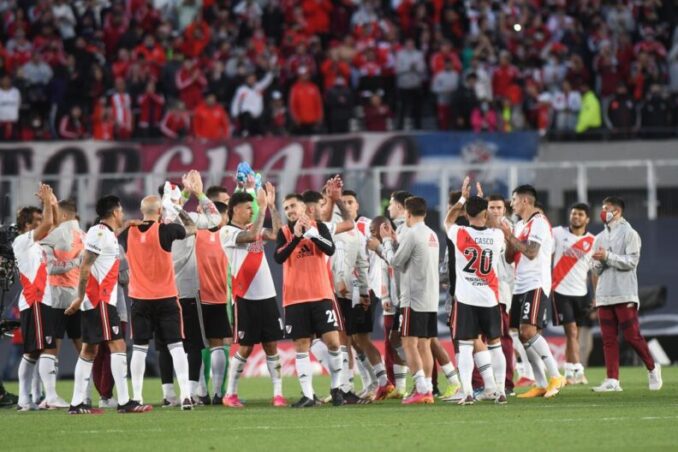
120, 167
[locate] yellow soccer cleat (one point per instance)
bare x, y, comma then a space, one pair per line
396, 394
450, 391
554, 387
533, 393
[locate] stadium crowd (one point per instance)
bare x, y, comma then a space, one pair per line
211, 69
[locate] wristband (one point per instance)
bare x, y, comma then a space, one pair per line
462, 200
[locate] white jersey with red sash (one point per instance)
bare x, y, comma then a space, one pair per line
252, 278
102, 284
32, 263
534, 273
477, 254
572, 260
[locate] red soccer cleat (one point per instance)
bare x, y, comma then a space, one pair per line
419, 399
384, 391
278, 401
232, 401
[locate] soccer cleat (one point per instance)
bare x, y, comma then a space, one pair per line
317, 401
396, 394
84, 409
554, 387
533, 393
279, 401
501, 399
457, 396
486, 395
369, 392
655, 378
109, 403
327, 399
55, 404
524, 382
204, 400
7, 400
29, 407
510, 393
132, 406
305, 402
216, 400
419, 399
450, 390
337, 397
608, 385
232, 401
170, 403
351, 398
384, 391
580, 378
187, 404
466, 400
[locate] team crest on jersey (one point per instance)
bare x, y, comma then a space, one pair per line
115, 329
586, 246
241, 334
288, 329
48, 339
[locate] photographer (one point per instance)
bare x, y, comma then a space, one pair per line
35, 302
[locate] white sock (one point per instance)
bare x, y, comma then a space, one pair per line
119, 371
138, 369
361, 361
180, 363
337, 365
465, 362
47, 369
429, 384
498, 366
569, 370
400, 376
234, 372
201, 390
83, 373
193, 385
540, 346
578, 368
524, 369
218, 368
26, 371
275, 371
346, 376
484, 365
167, 390
35, 384
322, 355
305, 374
536, 365
88, 391
420, 382
451, 373
371, 372
380, 372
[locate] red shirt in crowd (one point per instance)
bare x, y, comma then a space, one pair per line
176, 123
150, 109
190, 83
502, 79
306, 104
210, 122
317, 15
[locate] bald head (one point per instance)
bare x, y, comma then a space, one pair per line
151, 206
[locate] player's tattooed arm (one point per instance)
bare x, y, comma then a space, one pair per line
529, 248
188, 222
85, 269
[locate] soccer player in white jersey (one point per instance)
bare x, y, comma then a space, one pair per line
257, 318
530, 250
35, 302
477, 251
572, 260
416, 258
97, 298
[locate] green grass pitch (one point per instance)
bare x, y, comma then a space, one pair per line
577, 419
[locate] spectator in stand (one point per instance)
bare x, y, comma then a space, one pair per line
332, 68
655, 114
306, 104
218, 83
377, 113
317, 15
276, 115
37, 75
442, 57
103, 125
484, 118
152, 53
339, 106
301, 58
621, 115
589, 115
443, 85
177, 122
609, 75
247, 106
121, 103
10, 102
190, 82
577, 74
464, 101
566, 106
34, 129
151, 105
504, 76
210, 120
71, 126
410, 71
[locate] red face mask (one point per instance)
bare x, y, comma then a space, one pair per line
606, 216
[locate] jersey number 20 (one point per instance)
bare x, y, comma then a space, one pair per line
474, 264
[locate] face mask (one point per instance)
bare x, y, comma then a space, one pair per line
606, 216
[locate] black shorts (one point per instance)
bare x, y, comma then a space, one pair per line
67, 324
215, 323
569, 309
37, 328
304, 320
257, 321
529, 309
101, 324
357, 319
156, 318
418, 324
469, 322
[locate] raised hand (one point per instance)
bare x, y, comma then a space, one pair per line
466, 187
479, 190
262, 198
196, 182
385, 231
270, 194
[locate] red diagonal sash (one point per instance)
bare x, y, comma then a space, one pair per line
569, 260
34, 290
98, 292
247, 272
464, 241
